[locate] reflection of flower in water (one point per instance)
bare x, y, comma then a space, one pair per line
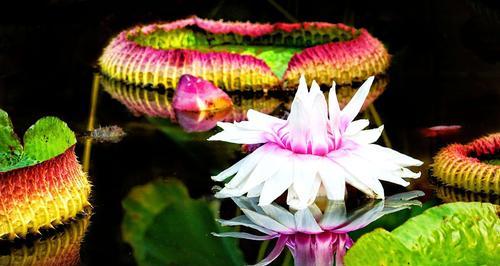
312, 235
316, 148
61, 249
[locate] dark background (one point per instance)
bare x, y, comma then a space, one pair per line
445, 70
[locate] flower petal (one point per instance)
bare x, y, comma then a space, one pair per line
334, 216
243, 235
367, 136
305, 222
229, 171
255, 191
361, 177
248, 166
266, 222
352, 109
234, 134
361, 218
304, 176
242, 220
333, 104
265, 120
270, 163
280, 245
277, 184
392, 155
356, 126
302, 91
333, 178
279, 214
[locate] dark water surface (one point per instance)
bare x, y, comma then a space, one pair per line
444, 71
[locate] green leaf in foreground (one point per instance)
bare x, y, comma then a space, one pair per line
46, 139
451, 234
166, 227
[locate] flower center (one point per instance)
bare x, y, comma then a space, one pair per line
307, 143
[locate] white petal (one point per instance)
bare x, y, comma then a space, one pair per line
263, 119
333, 105
306, 223
315, 89
229, 193
234, 134
356, 126
333, 178
302, 91
409, 174
396, 176
292, 199
270, 163
361, 176
243, 235
367, 136
304, 176
296, 203
247, 167
394, 179
229, 171
242, 220
277, 184
266, 221
255, 192
352, 108
279, 214
390, 154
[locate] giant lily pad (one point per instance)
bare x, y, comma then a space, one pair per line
166, 227
46, 139
455, 234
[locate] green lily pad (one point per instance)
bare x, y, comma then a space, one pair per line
46, 139
166, 227
455, 234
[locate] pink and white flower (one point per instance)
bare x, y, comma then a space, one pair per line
318, 148
313, 236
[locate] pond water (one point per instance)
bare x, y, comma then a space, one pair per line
438, 77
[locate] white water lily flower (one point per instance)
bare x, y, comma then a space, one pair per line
317, 147
312, 235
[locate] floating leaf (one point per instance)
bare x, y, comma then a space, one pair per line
46, 139
455, 233
166, 227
